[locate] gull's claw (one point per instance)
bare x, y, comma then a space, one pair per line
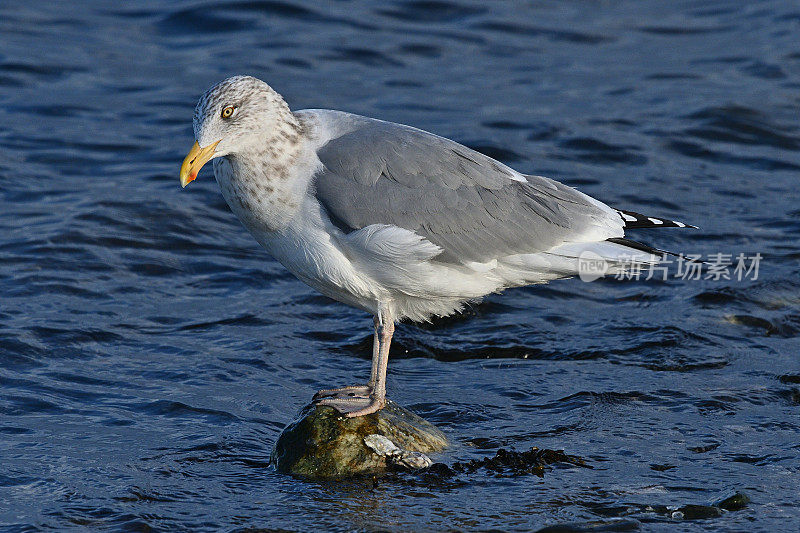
353, 391
374, 406
353, 406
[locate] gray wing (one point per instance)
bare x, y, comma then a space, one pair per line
473, 207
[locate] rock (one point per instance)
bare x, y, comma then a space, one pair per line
322, 443
732, 502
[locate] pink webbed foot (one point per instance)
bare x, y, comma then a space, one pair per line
353, 406
352, 391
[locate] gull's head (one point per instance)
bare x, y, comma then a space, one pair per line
232, 116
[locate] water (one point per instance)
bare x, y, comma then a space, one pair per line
150, 352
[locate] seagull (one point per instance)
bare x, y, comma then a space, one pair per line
391, 219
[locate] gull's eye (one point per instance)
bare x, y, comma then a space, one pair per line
228, 111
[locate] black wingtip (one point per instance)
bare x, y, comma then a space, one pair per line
635, 220
642, 247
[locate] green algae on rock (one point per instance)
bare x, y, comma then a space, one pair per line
323, 443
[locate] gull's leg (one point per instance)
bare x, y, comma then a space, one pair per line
376, 348
378, 396
356, 391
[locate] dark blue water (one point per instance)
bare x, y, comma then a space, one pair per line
151, 352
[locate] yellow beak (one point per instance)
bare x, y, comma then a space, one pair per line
194, 162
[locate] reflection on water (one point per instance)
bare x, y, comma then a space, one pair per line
150, 352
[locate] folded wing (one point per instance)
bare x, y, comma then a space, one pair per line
475, 208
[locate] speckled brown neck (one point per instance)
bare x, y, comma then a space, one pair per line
260, 183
